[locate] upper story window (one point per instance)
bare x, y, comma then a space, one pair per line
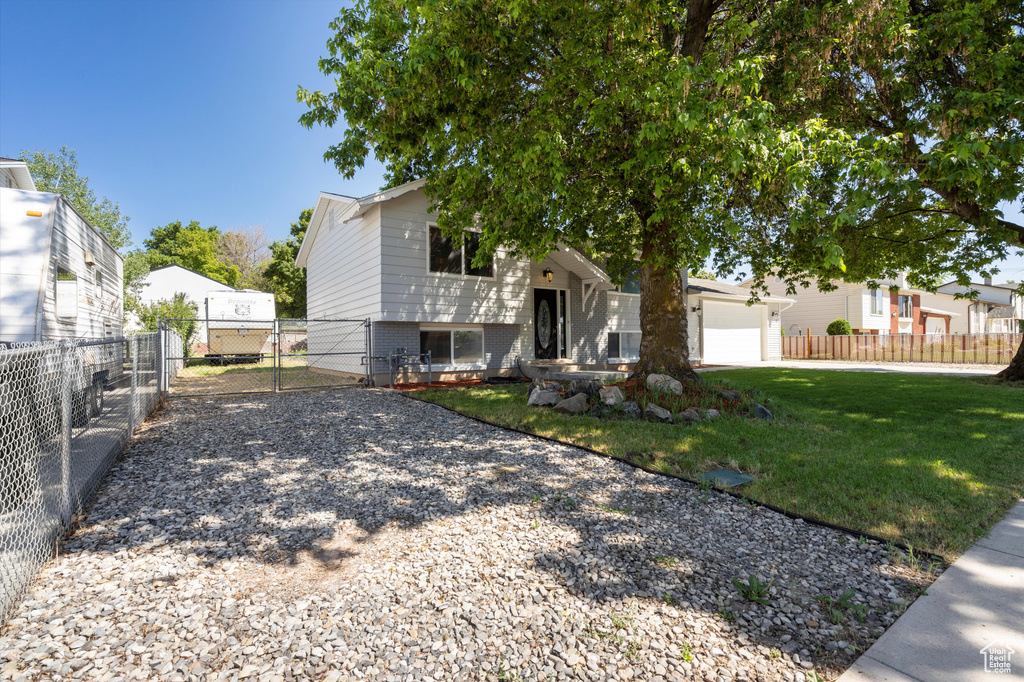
446, 258
99, 284
878, 299
906, 306
631, 282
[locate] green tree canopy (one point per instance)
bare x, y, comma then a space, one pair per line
935, 88
58, 173
287, 281
621, 131
191, 246
832, 140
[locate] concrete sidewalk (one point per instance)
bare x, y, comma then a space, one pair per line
885, 367
971, 615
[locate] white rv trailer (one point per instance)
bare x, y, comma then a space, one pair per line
239, 323
60, 278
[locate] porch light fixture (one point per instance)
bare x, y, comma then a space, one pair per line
548, 275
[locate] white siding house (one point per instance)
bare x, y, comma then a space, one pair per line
992, 309
382, 258
870, 310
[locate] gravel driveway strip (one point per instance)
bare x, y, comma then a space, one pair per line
359, 534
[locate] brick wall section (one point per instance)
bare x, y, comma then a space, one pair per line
916, 324
390, 336
502, 343
589, 324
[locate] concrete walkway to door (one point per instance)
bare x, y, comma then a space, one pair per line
968, 623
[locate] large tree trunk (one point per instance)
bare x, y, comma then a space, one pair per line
663, 347
1014, 372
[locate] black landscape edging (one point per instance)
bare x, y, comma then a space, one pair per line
792, 515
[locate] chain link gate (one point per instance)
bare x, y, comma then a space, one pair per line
229, 357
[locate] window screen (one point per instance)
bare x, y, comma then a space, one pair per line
472, 247
443, 256
469, 346
66, 295
438, 344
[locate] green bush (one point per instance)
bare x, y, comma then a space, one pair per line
181, 310
839, 328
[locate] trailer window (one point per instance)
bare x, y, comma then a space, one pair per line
66, 295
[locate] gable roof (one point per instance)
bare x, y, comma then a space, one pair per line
19, 169
721, 289
199, 274
352, 208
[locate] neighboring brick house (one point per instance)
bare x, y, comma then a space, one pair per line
871, 310
382, 257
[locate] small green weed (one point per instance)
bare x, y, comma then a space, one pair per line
839, 608
669, 599
665, 561
727, 615
754, 590
612, 510
685, 652
774, 653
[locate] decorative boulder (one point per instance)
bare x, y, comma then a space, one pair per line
664, 383
690, 414
631, 410
729, 394
612, 396
762, 412
601, 411
657, 414
544, 398
577, 404
712, 414
587, 387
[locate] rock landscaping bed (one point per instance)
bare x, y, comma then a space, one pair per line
659, 398
360, 534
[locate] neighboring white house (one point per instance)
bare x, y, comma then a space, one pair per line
383, 257
997, 308
161, 284
15, 175
871, 310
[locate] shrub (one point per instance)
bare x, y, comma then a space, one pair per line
839, 328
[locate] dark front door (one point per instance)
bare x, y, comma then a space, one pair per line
545, 324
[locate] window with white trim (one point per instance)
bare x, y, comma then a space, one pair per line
624, 345
453, 346
99, 285
445, 258
631, 282
906, 306
878, 298
65, 295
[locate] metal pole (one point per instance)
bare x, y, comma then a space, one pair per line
134, 419
67, 351
275, 352
430, 372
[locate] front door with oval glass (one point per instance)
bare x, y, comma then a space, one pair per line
549, 324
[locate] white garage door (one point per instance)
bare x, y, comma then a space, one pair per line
732, 332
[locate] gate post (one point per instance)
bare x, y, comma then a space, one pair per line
368, 347
275, 351
133, 418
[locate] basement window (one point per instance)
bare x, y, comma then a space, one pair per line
624, 345
453, 346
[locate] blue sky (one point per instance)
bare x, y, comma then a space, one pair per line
183, 110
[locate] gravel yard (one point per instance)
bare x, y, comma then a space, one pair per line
359, 534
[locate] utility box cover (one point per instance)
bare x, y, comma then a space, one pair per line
726, 478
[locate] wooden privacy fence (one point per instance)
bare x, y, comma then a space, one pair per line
981, 349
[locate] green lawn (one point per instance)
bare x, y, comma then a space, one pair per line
928, 460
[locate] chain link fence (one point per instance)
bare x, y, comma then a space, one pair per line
270, 356
67, 409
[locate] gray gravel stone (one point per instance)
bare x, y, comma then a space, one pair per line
359, 534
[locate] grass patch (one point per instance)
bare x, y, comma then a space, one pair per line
931, 461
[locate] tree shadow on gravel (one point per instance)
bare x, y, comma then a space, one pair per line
324, 477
